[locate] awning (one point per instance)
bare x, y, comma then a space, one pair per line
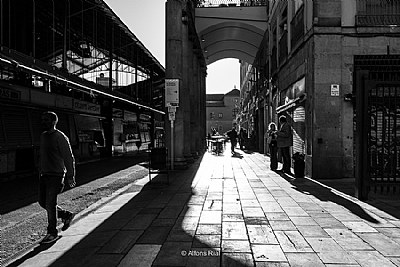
291, 103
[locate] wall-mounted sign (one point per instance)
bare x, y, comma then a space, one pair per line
86, 107
171, 92
335, 90
10, 94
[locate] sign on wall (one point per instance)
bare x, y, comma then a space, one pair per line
171, 92
334, 89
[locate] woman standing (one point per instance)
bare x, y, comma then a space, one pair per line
273, 145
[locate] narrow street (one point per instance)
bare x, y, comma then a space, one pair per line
23, 222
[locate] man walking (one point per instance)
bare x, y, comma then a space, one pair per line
56, 162
233, 135
284, 142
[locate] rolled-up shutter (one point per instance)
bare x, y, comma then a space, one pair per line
299, 130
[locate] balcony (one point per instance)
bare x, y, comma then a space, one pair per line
378, 13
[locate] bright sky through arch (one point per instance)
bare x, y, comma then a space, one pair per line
146, 19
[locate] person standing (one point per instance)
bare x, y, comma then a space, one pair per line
233, 135
273, 146
284, 142
56, 163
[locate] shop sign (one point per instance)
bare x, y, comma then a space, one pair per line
10, 94
86, 107
130, 116
117, 113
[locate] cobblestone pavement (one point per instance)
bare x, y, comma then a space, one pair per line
227, 211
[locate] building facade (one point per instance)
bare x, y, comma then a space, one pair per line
222, 110
332, 68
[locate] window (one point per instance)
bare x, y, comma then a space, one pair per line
220, 115
235, 111
297, 5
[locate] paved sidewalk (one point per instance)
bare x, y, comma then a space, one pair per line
228, 211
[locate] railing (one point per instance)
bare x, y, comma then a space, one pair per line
228, 3
378, 12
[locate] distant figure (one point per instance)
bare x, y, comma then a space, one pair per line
272, 145
284, 141
242, 138
232, 134
56, 162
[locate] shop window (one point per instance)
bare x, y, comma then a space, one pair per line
220, 115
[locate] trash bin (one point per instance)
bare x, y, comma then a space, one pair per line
299, 165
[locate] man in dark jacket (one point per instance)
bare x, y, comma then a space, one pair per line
233, 135
284, 142
56, 162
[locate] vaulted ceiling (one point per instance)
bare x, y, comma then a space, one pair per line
231, 32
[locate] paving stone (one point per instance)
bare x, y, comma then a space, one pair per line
212, 205
277, 216
360, 227
272, 253
302, 220
192, 211
348, 240
336, 257
312, 231
287, 202
209, 229
140, 256
292, 241
103, 260
180, 235
121, 242
209, 241
304, 259
234, 230
170, 212
256, 221
154, 235
329, 222
187, 223
381, 243
320, 244
395, 260
210, 217
282, 225
242, 246
390, 232
232, 208
250, 203
253, 212
271, 264
95, 239
162, 222
271, 207
261, 234
173, 254
371, 259
295, 211
140, 222
232, 218
237, 259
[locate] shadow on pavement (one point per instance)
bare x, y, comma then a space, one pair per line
159, 226
22, 192
307, 186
